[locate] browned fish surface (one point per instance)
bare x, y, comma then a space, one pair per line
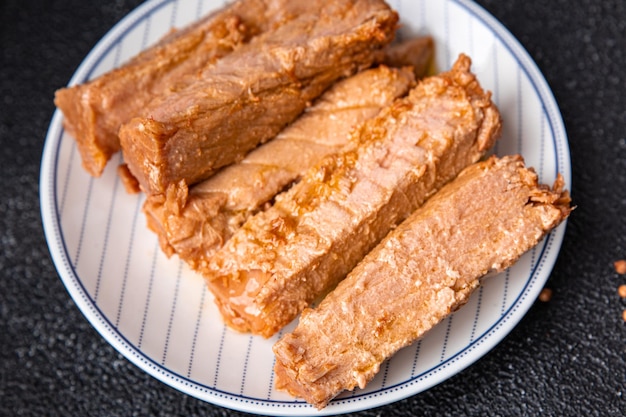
424, 270
195, 222
248, 96
315, 233
94, 111
417, 53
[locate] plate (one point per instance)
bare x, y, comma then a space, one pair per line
157, 312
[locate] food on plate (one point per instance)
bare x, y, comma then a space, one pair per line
415, 52
336, 178
95, 110
422, 271
196, 221
251, 94
284, 258
128, 181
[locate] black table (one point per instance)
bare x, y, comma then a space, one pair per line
566, 357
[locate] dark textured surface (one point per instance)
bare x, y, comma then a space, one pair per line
566, 357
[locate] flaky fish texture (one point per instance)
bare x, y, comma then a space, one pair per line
94, 111
194, 222
251, 94
284, 258
421, 272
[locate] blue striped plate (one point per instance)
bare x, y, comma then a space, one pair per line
157, 312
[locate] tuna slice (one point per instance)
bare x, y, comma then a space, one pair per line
248, 96
421, 272
94, 111
195, 222
417, 53
284, 258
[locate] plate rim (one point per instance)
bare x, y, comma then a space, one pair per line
481, 344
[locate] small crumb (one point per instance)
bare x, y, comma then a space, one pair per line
621, 290
624, 315
545, 295
620, 266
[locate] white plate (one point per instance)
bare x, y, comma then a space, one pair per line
156, 311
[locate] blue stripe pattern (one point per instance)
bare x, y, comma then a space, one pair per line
146, 305
172, 312
65, 184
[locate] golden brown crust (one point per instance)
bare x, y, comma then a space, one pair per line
196, 222
417, 53
284, 258
247, 97
94, 111
421, 272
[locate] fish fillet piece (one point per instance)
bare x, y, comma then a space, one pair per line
417, 53
248, 96
284, 258
94, 111
420, 273
195, 222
